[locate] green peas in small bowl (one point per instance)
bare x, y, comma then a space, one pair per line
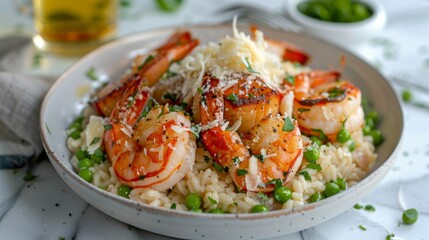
345, 22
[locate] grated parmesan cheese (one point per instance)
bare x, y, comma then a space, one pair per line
232, 54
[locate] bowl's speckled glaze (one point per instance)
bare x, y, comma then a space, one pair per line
64, 101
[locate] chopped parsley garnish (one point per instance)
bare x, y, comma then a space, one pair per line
29, 177
249, 66
170, 96
196, 129
47, 128
236, 160
260, 157
235, 204
278, 183
262, 196
91, 74
362, 227
206, 158
175, 108
250, 95
290, 79
218, 167
133, 98
306, 175
95, 140
407, 95
288, 126
125, 3
148, 59
212, 201
335, 92
314, 166
173, 206
232, 97
322, 135
147, 109
98, 156
107, 127
300, 110
161, 113
241, 172
200, 90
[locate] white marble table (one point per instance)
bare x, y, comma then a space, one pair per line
47, 209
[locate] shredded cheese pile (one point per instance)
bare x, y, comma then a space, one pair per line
236, 54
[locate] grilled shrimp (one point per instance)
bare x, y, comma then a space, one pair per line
268, 152
153, 151
323, 103
148, 148
150, 66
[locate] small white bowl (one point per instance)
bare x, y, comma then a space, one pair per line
341, 33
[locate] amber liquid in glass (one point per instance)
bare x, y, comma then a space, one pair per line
75, 21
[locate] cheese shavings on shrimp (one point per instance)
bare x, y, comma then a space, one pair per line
231, 55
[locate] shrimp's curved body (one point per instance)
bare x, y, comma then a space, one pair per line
258, 157
148, 148
324, 103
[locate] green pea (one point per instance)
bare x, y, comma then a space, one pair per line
282, 194
331, 189
75, 126
316, 141
343, 135
98, 156
124, 191
407, 95
86, 175
311, 153
85, 163
259, 208
316, 197
352, 145
81, 154
342, 184
217, 211
366, 130
410, 216
193, 201
373, 115
369, 122
197, 210
75, 134
377, 137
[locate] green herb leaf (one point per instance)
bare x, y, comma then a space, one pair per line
212, 201
235, 204
147, 60
175, 108
300, 110
173, 206
288, 126
200, 90
290, 79
306, 175
260, 157
196, 129
47, 128
390, 236
91, 74
322, 135
170, 96
95, 140
147, 109
206, 158
107, 127
241, 172
29, 177
218, 167
263, 196
249, 66
314, 166
125, 3
236, 160
232, 97
362, 227
278, 183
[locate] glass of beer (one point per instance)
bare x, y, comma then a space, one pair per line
74, 27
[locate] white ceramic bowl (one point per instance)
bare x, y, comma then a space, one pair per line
64, 101
341, 33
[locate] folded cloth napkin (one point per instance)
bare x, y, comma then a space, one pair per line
20, 100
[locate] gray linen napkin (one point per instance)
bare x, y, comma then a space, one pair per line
20, 100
